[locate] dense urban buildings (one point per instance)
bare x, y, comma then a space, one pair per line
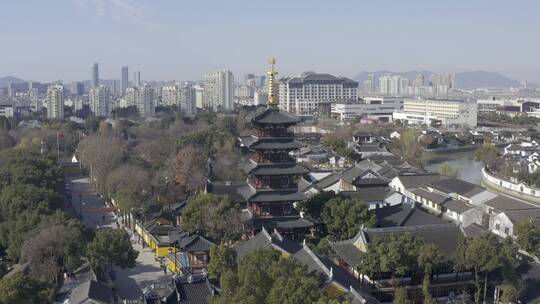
77, 88
219, 91
438, 111
55, 101
181, 95
303, 95
100, 101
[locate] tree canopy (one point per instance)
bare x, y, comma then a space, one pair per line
265, 277
111, 247
212, 215
343, 218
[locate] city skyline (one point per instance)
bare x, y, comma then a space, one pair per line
440, 37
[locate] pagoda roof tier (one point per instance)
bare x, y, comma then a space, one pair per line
253, 168
275, 144
267, 196
272, 115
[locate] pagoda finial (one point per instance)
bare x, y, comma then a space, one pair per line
272, 96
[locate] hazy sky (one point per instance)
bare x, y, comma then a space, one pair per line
47, 40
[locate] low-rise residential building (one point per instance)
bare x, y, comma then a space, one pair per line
379, 108
445, 112
336, 282
506, 212
445, 236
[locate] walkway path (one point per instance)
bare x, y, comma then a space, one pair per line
129, 282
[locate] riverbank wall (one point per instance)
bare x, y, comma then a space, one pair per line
462, 149
514, 189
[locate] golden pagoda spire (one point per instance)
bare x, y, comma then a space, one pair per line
272, 96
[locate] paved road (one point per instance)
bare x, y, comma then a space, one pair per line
129, 282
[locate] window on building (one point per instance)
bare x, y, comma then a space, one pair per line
497, 226
506, 230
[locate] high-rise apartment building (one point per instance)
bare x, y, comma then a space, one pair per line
199, 96
393, 85
145, 100
100, 101
124, 80
131, 97
442, 84
95, 75
55, 101
219, 91
183, 96
77, 88
303, 95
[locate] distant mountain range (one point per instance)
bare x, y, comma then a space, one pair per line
5, 81
464, 80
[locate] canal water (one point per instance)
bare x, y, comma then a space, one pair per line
467, 168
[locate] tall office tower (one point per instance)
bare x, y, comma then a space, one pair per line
199, 96
306, 94
11, 90
77, 88
392, 85
95, 75
262, 82
137, 78
100, 101
124, 80
219, 91
55, 101
145, 100
372, 84
116, 87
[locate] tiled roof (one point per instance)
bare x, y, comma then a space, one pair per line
412, 181
274, 116
251, 195
431, 196
445, 236
195, 243
193, 290
275, 144
474, 231
405, 215
505, 203
458, 206
278, 169
348, 252
91, 291
454, 185
369, 194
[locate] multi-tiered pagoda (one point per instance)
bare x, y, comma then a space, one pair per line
272, 186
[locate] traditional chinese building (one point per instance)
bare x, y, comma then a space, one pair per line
273, 174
